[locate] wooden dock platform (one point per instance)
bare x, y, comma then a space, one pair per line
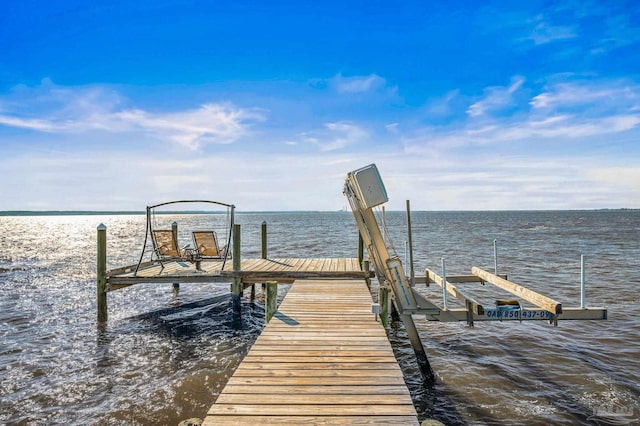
285, 270
322, 359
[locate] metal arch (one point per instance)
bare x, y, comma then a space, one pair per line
230, 207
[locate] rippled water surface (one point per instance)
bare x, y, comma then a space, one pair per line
163, 358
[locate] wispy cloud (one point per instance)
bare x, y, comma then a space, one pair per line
345, 134
558, 115
335, 136
495, 98
588, 98
357, 84
53, 109
544, 32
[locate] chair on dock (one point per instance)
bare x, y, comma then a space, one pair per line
206, 244
166, 246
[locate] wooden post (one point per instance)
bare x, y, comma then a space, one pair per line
236, 286
365, 268
101, 280
174, 231
264, 239
360, 249
271, 304
383, 300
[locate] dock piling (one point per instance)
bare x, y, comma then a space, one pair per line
101, 270
263, 238
383, 300
365, 267
271, 302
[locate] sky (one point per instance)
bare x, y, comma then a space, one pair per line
462, 105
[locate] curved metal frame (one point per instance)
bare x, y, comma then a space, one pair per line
149, 227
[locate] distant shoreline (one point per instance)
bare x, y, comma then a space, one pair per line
6, 213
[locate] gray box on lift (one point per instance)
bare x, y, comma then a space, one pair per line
370, 187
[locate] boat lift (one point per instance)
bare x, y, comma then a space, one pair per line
365, 190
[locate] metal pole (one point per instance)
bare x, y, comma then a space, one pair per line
495, 256
416, 343
236, 286
412, 273
406, 258
174, 231
360, 249
582, 283
444, 285
101, 281
384, 218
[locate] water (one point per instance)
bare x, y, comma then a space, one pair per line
161, 358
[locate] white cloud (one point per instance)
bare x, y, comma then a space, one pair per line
357, 84
619, 94
53, 109
495, 98
335, 136
211, 123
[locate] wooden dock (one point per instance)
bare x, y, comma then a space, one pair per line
285, 270
322, 359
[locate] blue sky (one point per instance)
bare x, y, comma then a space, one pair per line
267, 105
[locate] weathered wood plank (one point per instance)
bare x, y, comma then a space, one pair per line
218, 420
537, 299
248, 365
335, 358
297, 399
313, 409
319, 390
313, 372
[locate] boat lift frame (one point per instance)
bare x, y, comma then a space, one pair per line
365, 190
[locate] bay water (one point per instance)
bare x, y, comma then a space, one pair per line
162, 357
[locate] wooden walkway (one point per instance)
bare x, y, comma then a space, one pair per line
284, 270
323, 359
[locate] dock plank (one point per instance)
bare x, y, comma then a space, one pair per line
309, 420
